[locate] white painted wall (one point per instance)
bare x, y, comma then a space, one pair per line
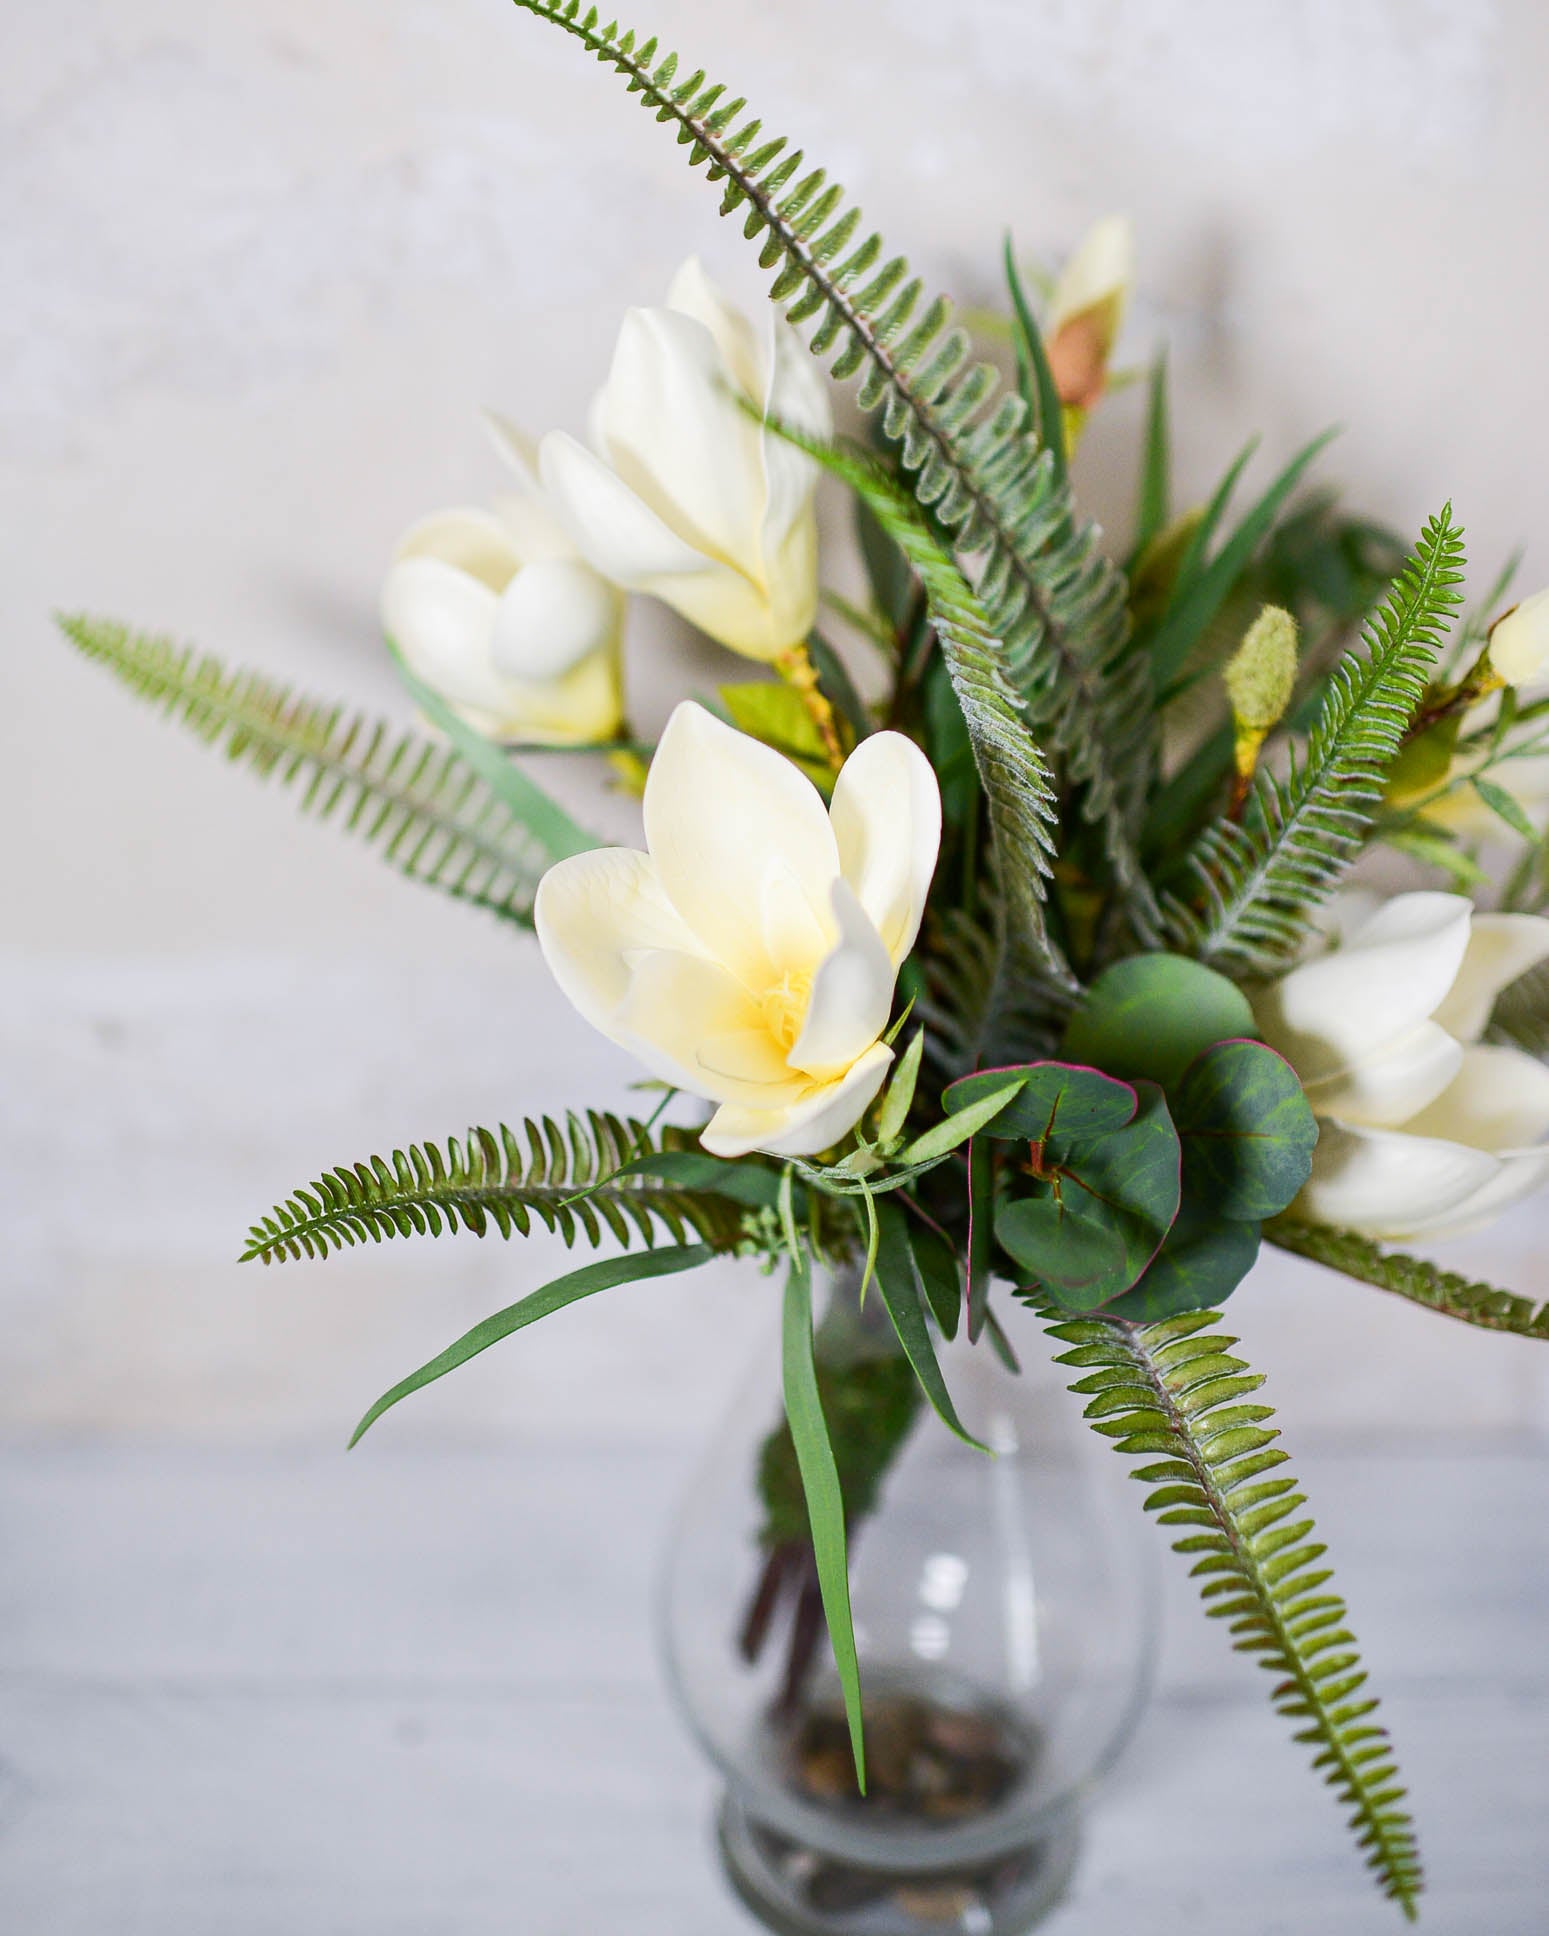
261, 266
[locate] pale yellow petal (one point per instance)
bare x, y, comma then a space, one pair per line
1386, 1184
886, 812
1384, 1090
852, 993
807, 1127
469, 540
594, 913
553, 615
1500, 948
1498, 1100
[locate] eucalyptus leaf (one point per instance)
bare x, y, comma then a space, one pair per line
821, 1488
1050, 1100
1202, 1262
1248, 1131
1149, 1016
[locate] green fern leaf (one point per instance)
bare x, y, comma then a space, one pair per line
1259, 881
1011, 767
976, 1015
1466, 1299
1175, 1394
417, 803
1048, 590
561, 1175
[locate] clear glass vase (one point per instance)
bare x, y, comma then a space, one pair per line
1005, 1616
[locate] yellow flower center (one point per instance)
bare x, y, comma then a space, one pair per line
784, 1007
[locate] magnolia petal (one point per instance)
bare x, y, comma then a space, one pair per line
585, 704
694, 293
514, 447
722, 815
553, 614
797, 396
805, 1127
680, 439
535, 531
852, 993
1498, 1100
1500, 948
1096, 278
594, 913
1392, 973
612, 527
1518, 1174
442, 621
1519, 643
470, 540
886, 813
1386, 1089
694, 1024
1387, 1184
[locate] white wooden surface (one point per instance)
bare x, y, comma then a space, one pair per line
412, 1693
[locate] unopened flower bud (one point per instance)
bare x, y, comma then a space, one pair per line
1519, 642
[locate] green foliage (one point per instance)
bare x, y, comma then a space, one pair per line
1153, 509
1011, 766
417, 803
1259, 881
604, 1275
1175, 1395
582, 1178
1248, 1131
821, 1489
903, 1293
1150, 1015
1521, 1013
1046, 587
1471, 1302
975, 1012
1035, 380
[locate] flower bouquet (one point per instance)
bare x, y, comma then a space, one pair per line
1000, 943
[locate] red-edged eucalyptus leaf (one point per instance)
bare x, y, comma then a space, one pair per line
941, 1277
967, 1119
586, 1282
1049, 1101
1149, 1016
1126, 1182
1248, 1131
1202, 1262
902, 1295
821, 1488
981, 1232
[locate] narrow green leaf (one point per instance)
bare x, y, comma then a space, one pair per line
838, 688
820, 1484
981, 1232
603, 1275
1505, 806
952, 1130
542, 815
900, 1093
901, 1293
940, 1277
1200, 601
1034, 374
1155, 507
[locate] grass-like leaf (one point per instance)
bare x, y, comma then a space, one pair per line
563, 1175
1176, 1395
1047, 588
904, 1297
603, 1275
820, 1485
1259, 881
1467, 1299
419, 804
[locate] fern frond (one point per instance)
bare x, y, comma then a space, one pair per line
417, 803
1018, 789
975, 1014
1048, 590
1174, 1393
1464, 1298
561, 1174
1259, 881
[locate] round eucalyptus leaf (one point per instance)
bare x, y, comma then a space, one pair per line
1202, 1262
1078, 1258
1056, 1102
1248, 1131
1151, 1015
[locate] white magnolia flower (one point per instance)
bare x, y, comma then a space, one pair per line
498, 613
1086, 312
685, 496
750, 955
1519, 642
1426, 1131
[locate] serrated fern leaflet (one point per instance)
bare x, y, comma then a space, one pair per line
1467, 1299
560, 1175
1258, 882
1047, 588
1174, 1393
417, 803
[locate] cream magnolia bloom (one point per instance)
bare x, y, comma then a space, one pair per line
684, 495
1086, 312
498, 613
1426, 1132
749, 956
1519, 643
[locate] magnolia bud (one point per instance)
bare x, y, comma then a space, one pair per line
1262, 671
1519, 642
